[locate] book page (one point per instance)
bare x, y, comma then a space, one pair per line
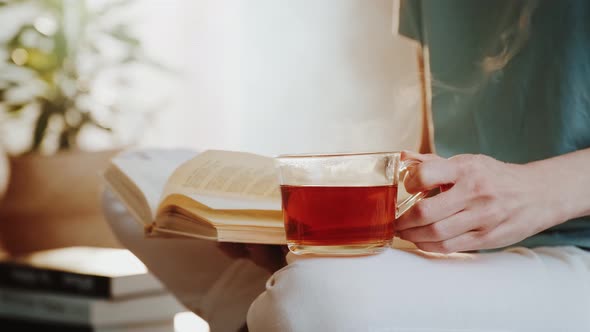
145, 173
228, 180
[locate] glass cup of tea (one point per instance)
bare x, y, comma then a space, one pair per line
342, 204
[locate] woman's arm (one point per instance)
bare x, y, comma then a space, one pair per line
493, 204
567, 180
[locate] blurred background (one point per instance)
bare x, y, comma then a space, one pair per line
223, 74
80, 80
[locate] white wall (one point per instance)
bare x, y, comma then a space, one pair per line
278, 76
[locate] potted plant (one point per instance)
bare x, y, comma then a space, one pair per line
55, 52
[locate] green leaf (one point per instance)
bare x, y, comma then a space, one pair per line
41, 127
64, 140
121, 33
14, 42
89, 119
108, 8
14, 109
141, 58
100, 126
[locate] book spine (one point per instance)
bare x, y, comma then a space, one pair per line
59, 282
19, 325
38, 306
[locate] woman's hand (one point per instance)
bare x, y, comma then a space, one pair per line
488, 204
269, 257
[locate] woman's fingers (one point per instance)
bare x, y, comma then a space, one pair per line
445, 229
233, 250
270, 257
480, 239
464, 242
419, 156
431, 174
432, 209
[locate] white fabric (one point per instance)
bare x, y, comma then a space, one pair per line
546, 289
218, 288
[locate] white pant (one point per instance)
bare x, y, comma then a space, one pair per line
545, 289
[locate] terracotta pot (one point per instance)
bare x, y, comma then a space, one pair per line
53, 201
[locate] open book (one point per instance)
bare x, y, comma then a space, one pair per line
218, 195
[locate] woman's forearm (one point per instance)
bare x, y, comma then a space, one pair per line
564, 182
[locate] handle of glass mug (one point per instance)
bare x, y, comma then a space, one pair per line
407, 203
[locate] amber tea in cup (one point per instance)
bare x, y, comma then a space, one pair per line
342, 204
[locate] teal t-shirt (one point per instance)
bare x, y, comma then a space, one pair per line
535, 107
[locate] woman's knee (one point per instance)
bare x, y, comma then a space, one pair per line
287, 302
327, 294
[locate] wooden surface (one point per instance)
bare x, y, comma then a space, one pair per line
54, 201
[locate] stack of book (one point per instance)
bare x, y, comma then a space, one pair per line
83, 289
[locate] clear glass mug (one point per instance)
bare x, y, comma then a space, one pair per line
342, 204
